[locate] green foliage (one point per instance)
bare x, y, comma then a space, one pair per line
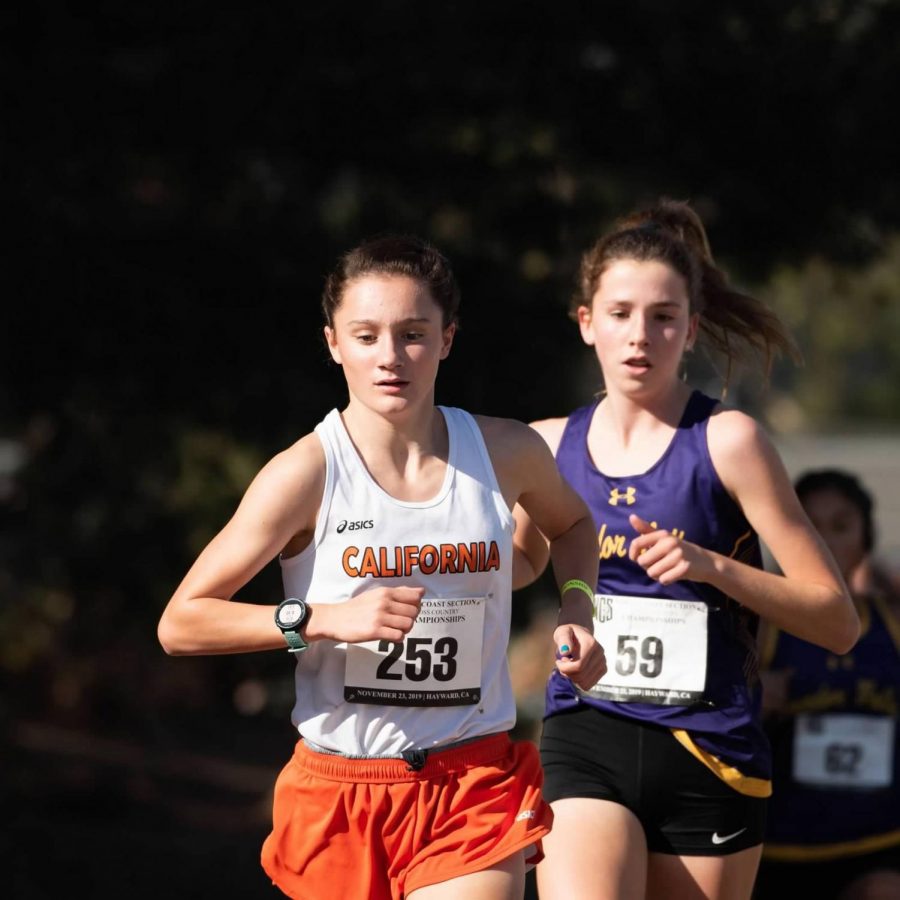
183, 176
186, 175
846, 320
213, 471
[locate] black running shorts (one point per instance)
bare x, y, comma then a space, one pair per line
684, 808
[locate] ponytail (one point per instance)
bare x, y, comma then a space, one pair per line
728, 314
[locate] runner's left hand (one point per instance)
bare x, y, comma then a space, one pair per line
578, 656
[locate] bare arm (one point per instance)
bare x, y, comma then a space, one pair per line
530, 550
810, 599
279, 508
529, 476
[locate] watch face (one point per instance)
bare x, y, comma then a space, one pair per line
290, 614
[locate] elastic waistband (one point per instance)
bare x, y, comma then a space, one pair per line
426, 763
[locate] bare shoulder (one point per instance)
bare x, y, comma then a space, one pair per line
551, 430
518, 454
295, 476
512, 432
734, 436
523, 465
504, 436
742, 452
305, 454
730, 429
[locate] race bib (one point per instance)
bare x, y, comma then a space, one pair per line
655, 649
843, 750
437, 664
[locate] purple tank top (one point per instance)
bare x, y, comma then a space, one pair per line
864, 683
680, 492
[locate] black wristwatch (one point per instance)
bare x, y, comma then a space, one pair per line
289, 617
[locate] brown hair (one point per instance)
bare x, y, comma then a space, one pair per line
394, 254
672, 233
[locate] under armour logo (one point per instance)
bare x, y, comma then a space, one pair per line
615, 495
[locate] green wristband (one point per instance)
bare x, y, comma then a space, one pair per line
578, 585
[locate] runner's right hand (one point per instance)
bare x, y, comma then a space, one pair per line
380, 614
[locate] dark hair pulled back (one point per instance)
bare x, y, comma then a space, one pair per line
849, 487
671, 232
394, 254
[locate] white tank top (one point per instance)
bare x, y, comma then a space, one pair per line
449, 680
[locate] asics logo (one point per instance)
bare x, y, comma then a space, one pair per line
344, 525
615, 495
725, 837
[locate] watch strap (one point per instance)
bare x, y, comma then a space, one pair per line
295, 642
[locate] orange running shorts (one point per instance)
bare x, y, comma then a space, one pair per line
377, 829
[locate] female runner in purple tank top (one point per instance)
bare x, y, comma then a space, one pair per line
658, 775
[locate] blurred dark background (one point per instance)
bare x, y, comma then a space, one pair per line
178, 179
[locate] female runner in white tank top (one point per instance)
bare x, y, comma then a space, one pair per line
393, 524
